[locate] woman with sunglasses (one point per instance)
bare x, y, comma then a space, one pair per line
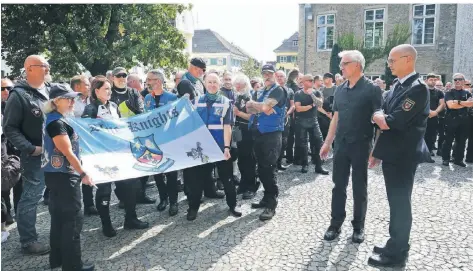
63, 175
102, 107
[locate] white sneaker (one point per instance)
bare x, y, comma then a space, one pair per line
5, 235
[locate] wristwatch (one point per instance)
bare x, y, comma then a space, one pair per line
82, 175
227, 147
459, 102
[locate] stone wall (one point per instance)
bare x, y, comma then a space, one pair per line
464, 41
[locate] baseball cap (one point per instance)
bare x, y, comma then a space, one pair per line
329, 75
199, 62
119, 70
268, 68
63, 91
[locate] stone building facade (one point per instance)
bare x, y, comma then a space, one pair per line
434, 34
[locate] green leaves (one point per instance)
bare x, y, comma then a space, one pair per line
251, 68
93, 37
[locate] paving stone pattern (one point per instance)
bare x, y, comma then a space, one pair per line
441, 236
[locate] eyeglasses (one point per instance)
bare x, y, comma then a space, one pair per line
151, 79
7, 88
458, 79
121, 75
391, 61
46, 66
468, 85
343, 64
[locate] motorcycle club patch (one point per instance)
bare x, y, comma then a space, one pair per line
36, 112
408, 104
57, 161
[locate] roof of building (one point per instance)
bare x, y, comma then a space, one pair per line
288, 45
208, 41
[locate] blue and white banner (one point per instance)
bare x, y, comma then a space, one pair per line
169, 138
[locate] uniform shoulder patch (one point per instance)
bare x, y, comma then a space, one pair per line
408, 104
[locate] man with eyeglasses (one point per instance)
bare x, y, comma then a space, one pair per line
23, 126
458, 101
400, 145
355, 101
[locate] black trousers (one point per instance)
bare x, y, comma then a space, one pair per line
324, 123
17, 190
291, 140
247, 163
285, 136
399, 180
167, 189
455, 128
431, 132
197, 183
87, 196
125, 190
355, 156
304, 134
469, 149
267, 149
441, 132
66, 220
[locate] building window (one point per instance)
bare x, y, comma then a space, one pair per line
374, 27
295, 43
283, 59
325, 30
220, 61
213, 61
224, 61
423, 24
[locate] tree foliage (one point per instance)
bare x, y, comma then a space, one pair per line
75, 38
399, 35
335, 59
251, 68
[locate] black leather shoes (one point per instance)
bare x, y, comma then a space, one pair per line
235, 211
162, 205
248, 195
382, 260
267, 214
446, 163
282, 167
90, 210
135, 224
108, 230
321, 170
216, 195
88, 267
378, 250
331, 233
191, 214
304, 169
431, 161
358, 236
258, 205
173, 209
144, 199
459, 163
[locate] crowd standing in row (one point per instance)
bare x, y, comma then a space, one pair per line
257, 124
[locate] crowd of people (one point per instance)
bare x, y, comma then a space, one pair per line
262, 125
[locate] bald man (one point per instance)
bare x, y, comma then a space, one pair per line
23, 126
400, 145
134, 81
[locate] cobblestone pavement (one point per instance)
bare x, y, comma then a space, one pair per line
441, 236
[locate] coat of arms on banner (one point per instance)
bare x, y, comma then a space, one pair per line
197, 153
109, 171
148, 155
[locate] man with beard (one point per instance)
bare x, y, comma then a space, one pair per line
437, 104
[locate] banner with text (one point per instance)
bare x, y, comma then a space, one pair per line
169, 138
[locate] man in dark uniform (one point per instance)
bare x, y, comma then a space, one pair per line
469, 149
441, 118
281, 80
458, 101
267, 125
192, 85
400, 145
354, 103
325, 112
437, 104
291, 83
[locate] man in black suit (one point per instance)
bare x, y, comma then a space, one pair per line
400, 145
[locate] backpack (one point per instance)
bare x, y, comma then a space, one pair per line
10, 169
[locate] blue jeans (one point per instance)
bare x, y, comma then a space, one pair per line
33, 187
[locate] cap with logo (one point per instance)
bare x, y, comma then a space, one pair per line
268, 68
62, 91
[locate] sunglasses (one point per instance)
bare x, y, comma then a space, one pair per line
468, 85
458, 79
121, 75
7, 88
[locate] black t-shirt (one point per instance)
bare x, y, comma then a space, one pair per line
461, 95
59, 127
435, 96
328, 95
290, 97
277, 94
306, 99
240, 104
